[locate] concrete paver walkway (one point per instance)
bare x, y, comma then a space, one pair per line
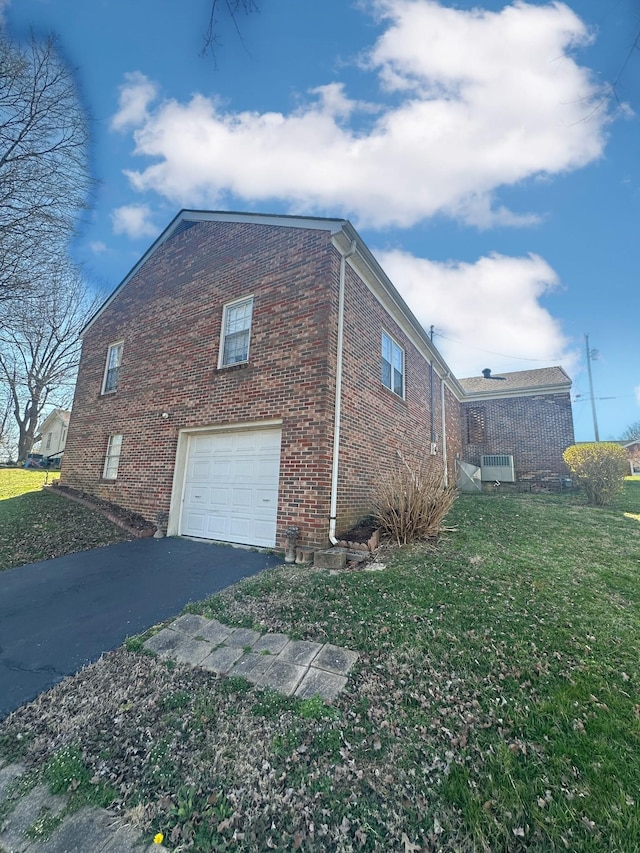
293, 667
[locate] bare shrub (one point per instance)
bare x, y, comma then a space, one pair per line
411, 505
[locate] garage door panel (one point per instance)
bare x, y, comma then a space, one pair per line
263, 530
247, 442
242, 499
265, 498
271, 441
195, 523
244, 469
197, 495
268, 469
200, 470
221, 469
216, 526
201, 445
219, 497
231, 487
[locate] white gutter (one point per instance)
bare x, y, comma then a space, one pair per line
444, 432
338, 405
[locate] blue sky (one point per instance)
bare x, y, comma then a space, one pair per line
476, 147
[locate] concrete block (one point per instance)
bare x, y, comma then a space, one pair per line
192, 651
331, 558
304, 555
242, 637
215, 632
221, 660
299, 652
252, 667
35, 805
335, 659
125, 840
283, 677
190, 624
318, 682
165, 642
86, 830
272, 643
8, 775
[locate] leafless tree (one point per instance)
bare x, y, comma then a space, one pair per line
44, 172
632, 432
231, 10
8, 446
40, 351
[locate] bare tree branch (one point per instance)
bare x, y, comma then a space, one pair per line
230, 9
40, 350
44, 172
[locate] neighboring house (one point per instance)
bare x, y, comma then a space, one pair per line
526, 414
52, 435
633, 453
254, 372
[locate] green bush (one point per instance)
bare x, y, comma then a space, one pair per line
600, 467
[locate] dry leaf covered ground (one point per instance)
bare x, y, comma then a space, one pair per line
495, 704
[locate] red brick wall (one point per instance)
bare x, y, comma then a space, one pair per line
377, 424
535, 430
169, 317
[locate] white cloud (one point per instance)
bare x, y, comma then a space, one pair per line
136, 94
4, 5
637, 390
98, 247
134, 220
487, 313
470, 101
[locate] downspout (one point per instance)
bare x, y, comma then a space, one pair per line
444, 430
433, 436
338, 405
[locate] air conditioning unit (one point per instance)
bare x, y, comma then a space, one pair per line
497, 467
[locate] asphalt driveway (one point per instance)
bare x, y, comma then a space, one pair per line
58, 615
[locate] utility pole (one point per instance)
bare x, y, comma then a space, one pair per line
593, 399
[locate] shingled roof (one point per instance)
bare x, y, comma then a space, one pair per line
542, 380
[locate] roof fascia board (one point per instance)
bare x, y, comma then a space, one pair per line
310, 222
474, 396
375, 278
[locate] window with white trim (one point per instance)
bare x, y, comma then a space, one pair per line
392, 365
112, 458
236, 331
112, 368
48, 440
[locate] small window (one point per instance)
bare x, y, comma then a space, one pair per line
112, 459
112, 368
48, 440
236, 330
476, 426
392, 365
64, 434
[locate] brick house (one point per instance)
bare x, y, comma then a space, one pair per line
254, 372
526, 414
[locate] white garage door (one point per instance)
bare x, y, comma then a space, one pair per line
231, 487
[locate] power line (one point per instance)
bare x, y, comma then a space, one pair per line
490, 352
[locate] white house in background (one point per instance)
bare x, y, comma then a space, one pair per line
53, 434
633, 452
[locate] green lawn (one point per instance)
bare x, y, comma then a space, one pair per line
495, 705
37, 524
